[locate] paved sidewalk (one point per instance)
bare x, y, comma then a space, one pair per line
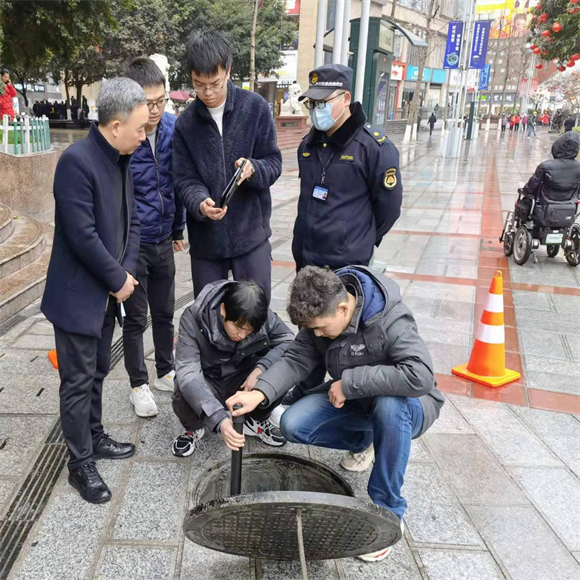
493, 487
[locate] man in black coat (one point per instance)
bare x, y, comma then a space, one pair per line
96, 243
221, 129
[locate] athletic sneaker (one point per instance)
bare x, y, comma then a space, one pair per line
184, 445
379, 554
165, 383
265, 430
142, 399
358, 461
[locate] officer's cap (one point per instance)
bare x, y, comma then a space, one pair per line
326, 79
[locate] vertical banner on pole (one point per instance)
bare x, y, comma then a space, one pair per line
479, 44
484, 77
453, 47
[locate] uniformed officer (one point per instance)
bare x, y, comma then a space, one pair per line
351, 189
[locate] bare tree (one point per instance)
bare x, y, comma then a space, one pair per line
253, 46
433, 7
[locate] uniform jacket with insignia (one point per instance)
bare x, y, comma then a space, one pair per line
364, 194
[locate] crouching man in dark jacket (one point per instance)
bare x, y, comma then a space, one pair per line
227, 338
354, 324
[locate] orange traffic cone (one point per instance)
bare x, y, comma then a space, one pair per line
487, 362
53, 358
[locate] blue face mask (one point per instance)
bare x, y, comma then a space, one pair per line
322, 118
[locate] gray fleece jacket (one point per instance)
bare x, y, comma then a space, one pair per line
379, 354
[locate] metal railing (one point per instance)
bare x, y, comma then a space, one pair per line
25, 135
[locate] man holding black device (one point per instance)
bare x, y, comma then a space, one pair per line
221, 129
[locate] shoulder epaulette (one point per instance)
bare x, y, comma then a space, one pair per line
376, 133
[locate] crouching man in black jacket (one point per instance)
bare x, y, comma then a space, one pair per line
227, 338
355, 325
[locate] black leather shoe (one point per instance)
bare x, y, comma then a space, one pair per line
107, 448
293, 395
87, 481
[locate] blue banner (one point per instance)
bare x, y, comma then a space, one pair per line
453, 47
484, 77
479, 44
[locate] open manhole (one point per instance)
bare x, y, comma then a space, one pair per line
289, 508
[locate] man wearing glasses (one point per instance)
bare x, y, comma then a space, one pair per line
162, 224
351, 189
221, 129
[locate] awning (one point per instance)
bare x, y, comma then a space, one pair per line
178, 96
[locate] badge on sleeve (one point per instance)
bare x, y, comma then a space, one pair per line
320, 192
390, 180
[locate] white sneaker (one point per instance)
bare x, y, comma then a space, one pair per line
379, 554
264, 430
165, 383
184, 445
358, 461
142, 399
276, 415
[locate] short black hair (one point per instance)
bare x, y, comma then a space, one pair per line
207, 51
144, 71
246, 302
4, 71
315, 292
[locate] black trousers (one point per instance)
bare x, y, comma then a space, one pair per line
192, 422
156, 277
83, 363
255, 265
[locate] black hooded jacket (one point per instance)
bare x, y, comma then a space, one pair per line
558, 179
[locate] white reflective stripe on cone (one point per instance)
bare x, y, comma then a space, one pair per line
494, 303
491, 334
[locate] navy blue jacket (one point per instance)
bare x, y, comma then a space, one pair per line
83, 268
364, 197
203, 164
160, 213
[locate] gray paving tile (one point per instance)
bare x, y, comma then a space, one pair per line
531, 300
22, 437
556, 493
7, 488
199, 563
465, 461
549, 345
65, 540
116, 405
156, 484
525, 546
445, 357
399, 565
317, 570
158, 433
460, 565
434, 514
513, 443
450, 420
419, 452
35, 342
132, 563
560, 383
452, 292
561, 432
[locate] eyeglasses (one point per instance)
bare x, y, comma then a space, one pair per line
159, 104
310, 104
216, 86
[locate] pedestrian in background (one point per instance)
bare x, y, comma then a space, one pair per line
532, 122
162, 224
7, 93
432, 121
221, 129
92, 270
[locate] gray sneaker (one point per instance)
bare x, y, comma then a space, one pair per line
358, 461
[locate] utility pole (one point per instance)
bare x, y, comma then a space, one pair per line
320, 30
253, 47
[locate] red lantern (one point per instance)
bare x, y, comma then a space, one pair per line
539, 66
561, 68
574, 1
543, 17
546, 34
570, 63
533, 46
538, 50
575, 56
556, 27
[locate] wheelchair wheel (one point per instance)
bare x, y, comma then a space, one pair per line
552, 250
508, 244
522, 245
573, 255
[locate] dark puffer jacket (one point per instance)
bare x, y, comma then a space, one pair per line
209, 365
558, 179
160, 212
